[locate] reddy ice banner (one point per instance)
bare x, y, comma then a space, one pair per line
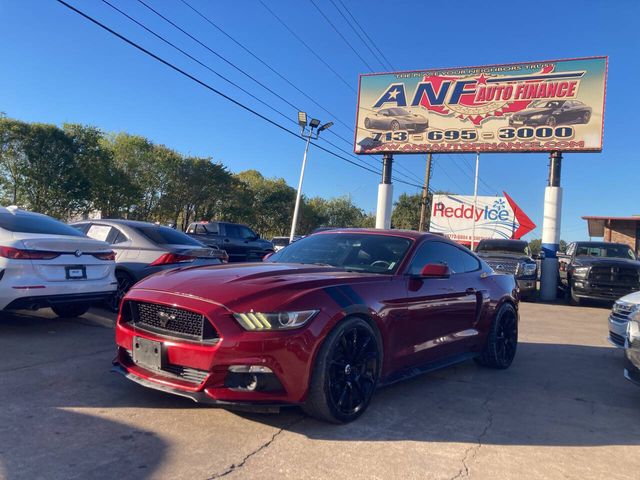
523, 107
494, 217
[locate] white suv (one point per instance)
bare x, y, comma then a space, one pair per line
624, 309
45, 263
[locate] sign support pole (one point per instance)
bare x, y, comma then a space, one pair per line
385, 194
551, 229
425, 195
294, 222
475, 201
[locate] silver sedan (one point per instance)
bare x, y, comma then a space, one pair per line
144, 248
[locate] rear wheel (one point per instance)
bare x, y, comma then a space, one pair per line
586, 117
70, 310
125, 282
346, 373
502, 341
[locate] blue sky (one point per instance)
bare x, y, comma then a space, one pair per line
57, 67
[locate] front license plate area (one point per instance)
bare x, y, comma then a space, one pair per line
147, 353
76, 272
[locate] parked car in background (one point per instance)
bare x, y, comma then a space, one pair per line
552, 112
624, 309
396, 119
598, 271
280, 242
320, 324
144, 248
512, 257
46, 263
239, 241
632, 350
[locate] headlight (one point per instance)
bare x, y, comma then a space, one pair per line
258, 321
527, 269
633, 331
581, 271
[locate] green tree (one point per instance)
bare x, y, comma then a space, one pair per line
406, 212
337, 212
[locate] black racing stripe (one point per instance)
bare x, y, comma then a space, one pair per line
349, 292
338, 296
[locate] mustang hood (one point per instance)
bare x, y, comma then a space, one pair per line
257, 285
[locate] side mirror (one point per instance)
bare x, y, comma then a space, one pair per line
435, 270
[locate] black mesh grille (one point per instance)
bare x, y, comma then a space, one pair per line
503, 266
171, 321
614, 275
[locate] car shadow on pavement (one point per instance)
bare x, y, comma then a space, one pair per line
553, 395
56, 420
65, 418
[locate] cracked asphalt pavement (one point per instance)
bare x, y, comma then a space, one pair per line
563, 410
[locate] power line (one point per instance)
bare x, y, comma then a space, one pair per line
237, 68
209, 87
350, 23
213, 24
355, 20
341, 36
297, 37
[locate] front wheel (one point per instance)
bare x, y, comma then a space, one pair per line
502, 342
551, 121
573, 298
346, 373
70, 310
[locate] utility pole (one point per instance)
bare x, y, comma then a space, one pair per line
385, 194
425, 195
551, 229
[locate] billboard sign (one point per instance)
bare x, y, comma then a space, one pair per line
520, 107
494, 217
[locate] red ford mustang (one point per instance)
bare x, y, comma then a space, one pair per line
320, 324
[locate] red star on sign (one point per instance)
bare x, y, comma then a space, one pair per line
482, 80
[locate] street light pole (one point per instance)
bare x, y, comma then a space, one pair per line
313, 124
294, 223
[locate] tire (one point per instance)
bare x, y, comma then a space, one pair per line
367, 123
125, 282
70, 310
502, 342
346, 372
395, 126
551, 121
573, 299
586, 117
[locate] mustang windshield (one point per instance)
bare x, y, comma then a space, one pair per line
352, 251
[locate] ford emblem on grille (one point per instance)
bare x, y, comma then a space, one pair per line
165, 317
77, 253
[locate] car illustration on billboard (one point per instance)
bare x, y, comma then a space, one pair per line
552, 113
394, 119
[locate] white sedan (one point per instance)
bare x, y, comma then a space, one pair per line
46, 263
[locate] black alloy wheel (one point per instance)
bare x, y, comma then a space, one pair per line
502, 341
125, 282
586, 117
346, 373
551, 121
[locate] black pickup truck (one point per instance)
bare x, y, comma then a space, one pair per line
598, 271
512, 257
240, 242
